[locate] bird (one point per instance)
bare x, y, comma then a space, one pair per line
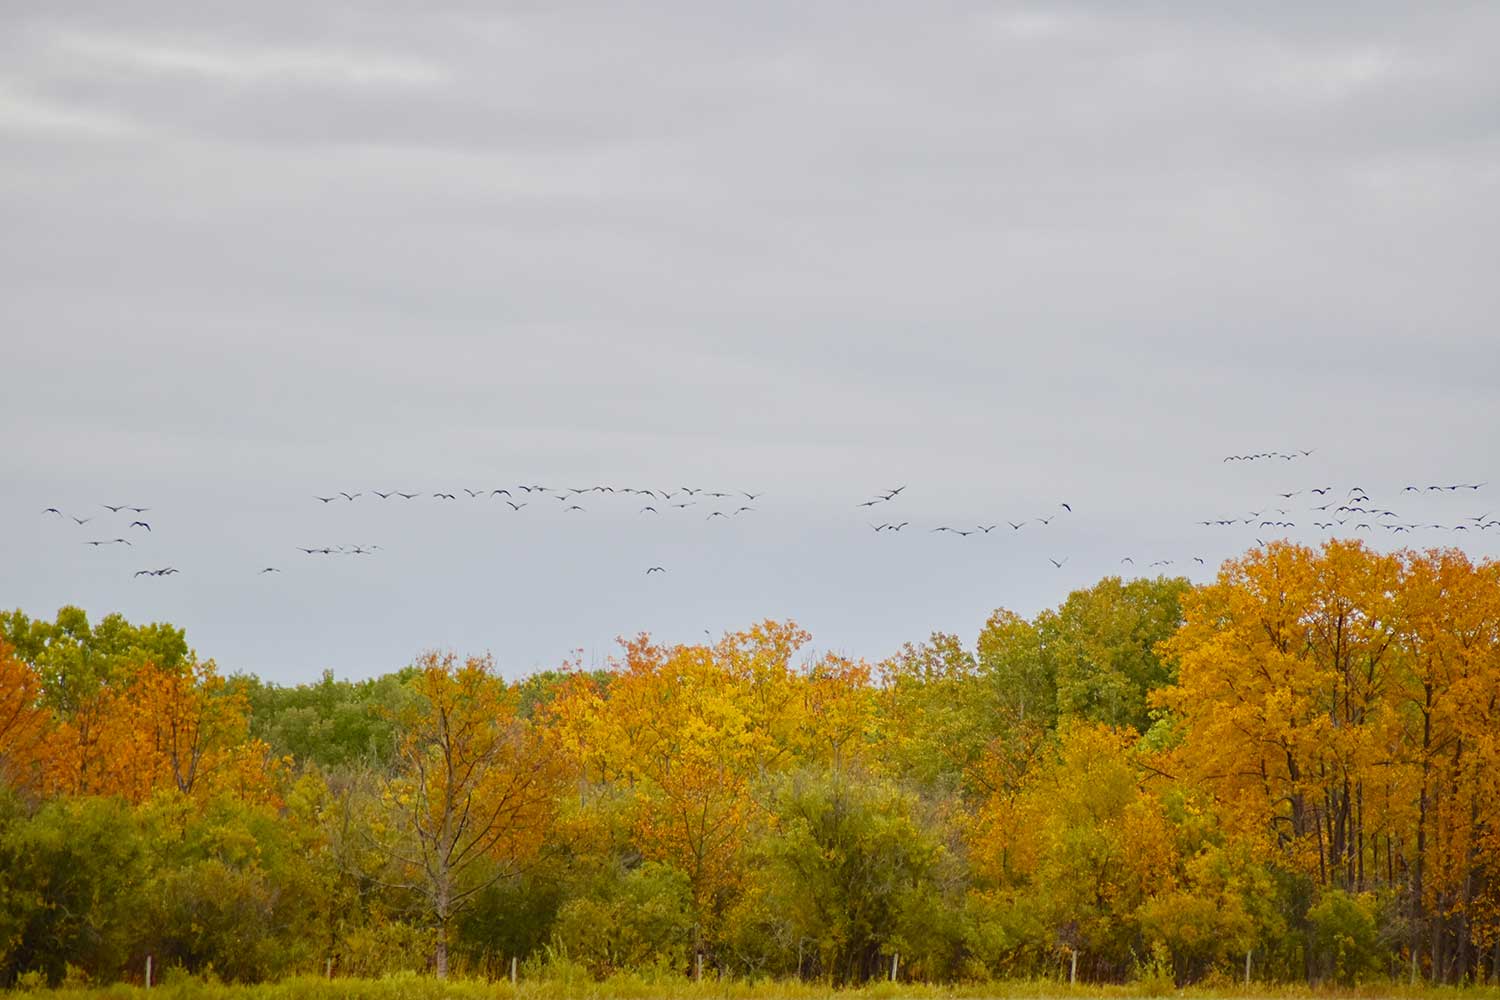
112, 508
408, 496
495, 493
741, 510
1047, 520
514, 506
1067, 507
53, 510
1127, 559
1016, 526
81, 520
1199, 560
473, 494
752, 496
573, 507
1056, 562
350, 496
270, 569
140, 524
650, 508
898, 527
717, 513
383, 496
987, 528
326, 499
655, 569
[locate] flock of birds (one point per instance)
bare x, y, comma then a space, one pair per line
1325, 509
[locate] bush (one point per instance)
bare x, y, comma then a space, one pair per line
1344, 939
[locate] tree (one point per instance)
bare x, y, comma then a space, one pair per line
23, 722
1102, 644
851, 864
475, 794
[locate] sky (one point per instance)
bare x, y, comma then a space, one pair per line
1007, 256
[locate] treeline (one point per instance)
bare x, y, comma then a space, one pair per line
1294, 770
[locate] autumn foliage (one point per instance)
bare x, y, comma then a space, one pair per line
1295, 766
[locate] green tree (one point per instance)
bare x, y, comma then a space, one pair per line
855, 868
1102, 645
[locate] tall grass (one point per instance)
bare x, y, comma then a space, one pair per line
410, 986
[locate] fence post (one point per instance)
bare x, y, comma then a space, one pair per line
512, 970
148, 972
895, 964
1073, 969
328, 967
698, 973
1247, 968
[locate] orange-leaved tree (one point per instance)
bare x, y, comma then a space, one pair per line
475, 794
23, 721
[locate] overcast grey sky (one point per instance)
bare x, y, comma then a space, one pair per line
1006, 254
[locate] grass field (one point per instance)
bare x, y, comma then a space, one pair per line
415, 987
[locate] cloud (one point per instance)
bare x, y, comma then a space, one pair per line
253, 65
21, 112
1005, 253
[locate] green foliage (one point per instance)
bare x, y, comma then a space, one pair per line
74, 659
71, 880
1343, 937
1102, 642
640, 919
329, 724
853, 868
